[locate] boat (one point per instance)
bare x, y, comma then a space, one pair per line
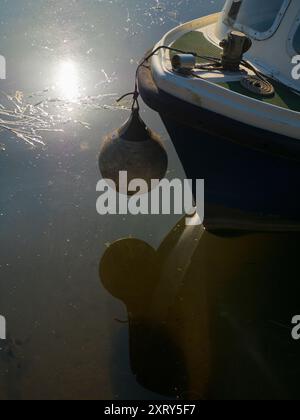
227, 91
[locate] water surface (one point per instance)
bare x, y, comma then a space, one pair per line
73, 334
69, 344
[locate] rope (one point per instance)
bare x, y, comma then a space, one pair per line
135, 94
265, 88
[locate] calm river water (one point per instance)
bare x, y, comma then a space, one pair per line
75, 334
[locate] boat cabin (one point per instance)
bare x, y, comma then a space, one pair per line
274, 27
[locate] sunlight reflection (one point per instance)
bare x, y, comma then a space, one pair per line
67, 80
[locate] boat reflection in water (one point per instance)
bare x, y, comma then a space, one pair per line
210, 314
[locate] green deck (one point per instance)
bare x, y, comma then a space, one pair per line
196, 42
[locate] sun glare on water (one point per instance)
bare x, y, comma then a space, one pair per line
67, 80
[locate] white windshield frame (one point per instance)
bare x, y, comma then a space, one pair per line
292, 34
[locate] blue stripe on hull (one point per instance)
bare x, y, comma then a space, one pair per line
236, 176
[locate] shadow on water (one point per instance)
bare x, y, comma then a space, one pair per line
12, 367
130, 272
209, 316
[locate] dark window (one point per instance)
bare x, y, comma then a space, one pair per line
257, 15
